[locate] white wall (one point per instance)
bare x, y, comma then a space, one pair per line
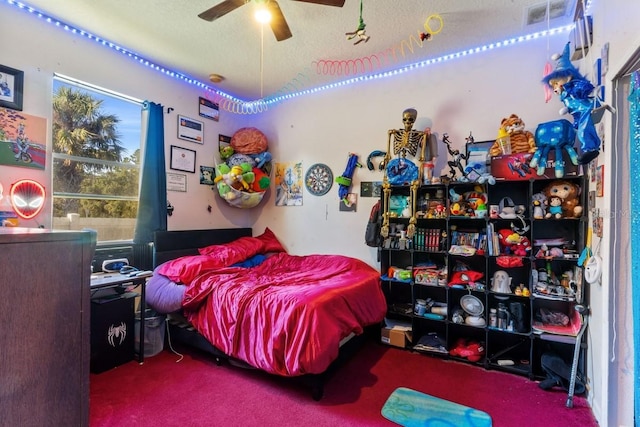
611, 329
457, 97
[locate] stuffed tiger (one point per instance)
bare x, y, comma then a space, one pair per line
522, 141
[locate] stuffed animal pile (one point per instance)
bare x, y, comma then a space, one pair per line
244, 176
563, 200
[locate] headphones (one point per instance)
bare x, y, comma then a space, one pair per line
376, 153
520, 230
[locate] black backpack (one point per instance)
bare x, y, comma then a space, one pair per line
372, 234
558, 373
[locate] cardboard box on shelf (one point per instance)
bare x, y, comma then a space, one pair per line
515, 167
397, 335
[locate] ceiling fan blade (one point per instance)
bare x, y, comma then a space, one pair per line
278, 24
221, 9
337, 3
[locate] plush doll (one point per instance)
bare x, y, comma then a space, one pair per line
522, 141
237, 176
513, 243
557, 135
262, 158
539, 203
261, 181
226, 152
555, 208
575, 93
568, 193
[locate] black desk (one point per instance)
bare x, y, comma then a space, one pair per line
111, 280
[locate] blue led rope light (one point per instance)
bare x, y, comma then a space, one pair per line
236, 105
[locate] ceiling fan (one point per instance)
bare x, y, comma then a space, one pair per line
278, 23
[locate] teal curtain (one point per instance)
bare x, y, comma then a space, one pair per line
152, 208
634, 137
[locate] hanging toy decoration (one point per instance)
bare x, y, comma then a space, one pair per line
429, 32
344, 181
360, 32
575, 93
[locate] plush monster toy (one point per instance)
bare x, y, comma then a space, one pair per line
575, 93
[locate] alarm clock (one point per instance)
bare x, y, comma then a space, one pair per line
114, 265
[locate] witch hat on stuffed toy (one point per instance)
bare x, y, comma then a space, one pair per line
564, 68
575, 93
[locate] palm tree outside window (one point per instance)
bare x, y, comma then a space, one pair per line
96, 159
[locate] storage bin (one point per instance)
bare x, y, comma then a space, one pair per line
154, 328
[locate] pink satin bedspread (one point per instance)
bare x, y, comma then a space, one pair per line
288, 315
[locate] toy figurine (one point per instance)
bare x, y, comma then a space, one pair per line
575, 93
360, 32
539, 203
455, 165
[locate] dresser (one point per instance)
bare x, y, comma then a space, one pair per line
44, 326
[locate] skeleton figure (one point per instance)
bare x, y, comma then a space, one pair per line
406, 141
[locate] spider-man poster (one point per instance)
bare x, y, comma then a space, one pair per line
22, 139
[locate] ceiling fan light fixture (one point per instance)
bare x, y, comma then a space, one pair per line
262, 15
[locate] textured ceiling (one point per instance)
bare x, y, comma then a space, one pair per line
255, 65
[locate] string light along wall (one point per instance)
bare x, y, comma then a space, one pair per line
236, 105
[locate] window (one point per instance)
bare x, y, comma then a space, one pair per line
96, 159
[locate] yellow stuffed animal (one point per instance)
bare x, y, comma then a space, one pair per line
522, 141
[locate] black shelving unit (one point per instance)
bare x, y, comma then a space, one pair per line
514, 347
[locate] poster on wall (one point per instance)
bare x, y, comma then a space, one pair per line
209, 109
288, 180
22, 139
207, 175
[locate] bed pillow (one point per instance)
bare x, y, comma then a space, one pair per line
236, 251
162, 294
187, 268
271, 242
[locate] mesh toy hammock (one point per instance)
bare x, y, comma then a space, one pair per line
243, 199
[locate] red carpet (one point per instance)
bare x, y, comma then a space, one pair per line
197, 392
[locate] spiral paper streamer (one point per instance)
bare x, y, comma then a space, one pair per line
234, 105
329, 67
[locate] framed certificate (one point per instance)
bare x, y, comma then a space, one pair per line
176, 182
183, 159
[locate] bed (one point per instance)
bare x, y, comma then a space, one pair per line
248, 301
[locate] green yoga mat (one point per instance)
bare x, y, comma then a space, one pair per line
410, 408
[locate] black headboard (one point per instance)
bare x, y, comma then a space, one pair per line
168, 245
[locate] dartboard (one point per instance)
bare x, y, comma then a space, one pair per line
318, 179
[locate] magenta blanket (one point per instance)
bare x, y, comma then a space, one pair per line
287, 315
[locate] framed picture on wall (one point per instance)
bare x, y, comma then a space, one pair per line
209, 109
176, 182
11, 84
183, 159
190, 129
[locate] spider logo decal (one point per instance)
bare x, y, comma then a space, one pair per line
118, 333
